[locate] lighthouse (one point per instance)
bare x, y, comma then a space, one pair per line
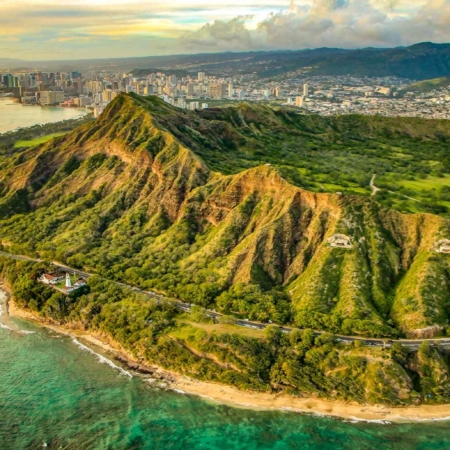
68, 281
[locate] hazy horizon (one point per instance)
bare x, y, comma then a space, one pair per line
44, 30
203, 53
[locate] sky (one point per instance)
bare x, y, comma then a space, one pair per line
80, 29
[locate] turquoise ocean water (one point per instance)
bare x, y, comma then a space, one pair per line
55, 392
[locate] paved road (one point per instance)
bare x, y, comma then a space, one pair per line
412, 344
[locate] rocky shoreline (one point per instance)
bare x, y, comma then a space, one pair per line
224, 394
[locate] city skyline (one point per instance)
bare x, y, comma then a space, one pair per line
47, 30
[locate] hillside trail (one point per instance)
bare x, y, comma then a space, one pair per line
376, 189
372, 185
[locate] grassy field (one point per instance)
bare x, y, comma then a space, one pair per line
427, 184
430, 193
36, 141
183, 332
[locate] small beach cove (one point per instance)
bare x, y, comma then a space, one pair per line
223, 394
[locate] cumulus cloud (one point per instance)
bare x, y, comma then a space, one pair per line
327, 5
331, 23
231, 34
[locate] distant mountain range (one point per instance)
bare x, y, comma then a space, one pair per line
13, 63
421, 61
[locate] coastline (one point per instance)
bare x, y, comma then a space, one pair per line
80, 113
229, 395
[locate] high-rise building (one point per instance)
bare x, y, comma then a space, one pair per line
95, 86
241, 94
201, 76
299, 101
83, 101
278, 92
190, 89
148, 90
218, 90
168, 89
108, 95
78, 85
18, 91
305, 90
98, 109
230, 90
9, 81
51, 97
173, 79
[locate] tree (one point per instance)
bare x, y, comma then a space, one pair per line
228, 320
399, 353
199, 314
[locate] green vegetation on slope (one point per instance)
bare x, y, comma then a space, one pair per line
298, 363
331, 154
132, 196
36, 141
423, 87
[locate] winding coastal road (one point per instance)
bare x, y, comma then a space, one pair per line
411, 344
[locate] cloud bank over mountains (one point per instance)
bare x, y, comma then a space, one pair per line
328, 23
49, 29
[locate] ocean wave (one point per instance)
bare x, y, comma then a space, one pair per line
178, 391
353, 419
102, 359
5, 327
26, 332
424, 419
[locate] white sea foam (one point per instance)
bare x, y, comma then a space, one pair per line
178, 391
439, 419
376, 421
6, 327
351, 419
102, 359
426, 419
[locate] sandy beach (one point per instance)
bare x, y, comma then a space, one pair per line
256, 400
